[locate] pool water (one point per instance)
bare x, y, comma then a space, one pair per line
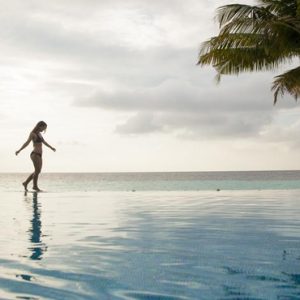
150, 245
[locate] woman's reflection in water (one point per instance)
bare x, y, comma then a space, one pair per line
37, 247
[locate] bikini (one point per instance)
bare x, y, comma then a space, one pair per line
38, 140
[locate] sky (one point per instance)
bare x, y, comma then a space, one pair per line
118, 84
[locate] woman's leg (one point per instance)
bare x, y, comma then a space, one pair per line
25, 183
37, 162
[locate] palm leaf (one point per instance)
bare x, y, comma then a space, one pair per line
279, 7
244, 18
235, 53
254, 38
287, 82
229, 13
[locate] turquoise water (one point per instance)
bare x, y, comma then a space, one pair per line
168, 181
195, 235
150, 245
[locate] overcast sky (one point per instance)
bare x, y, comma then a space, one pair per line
118, 85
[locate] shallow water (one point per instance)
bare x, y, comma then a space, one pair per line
150, 245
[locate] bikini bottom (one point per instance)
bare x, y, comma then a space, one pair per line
39, 154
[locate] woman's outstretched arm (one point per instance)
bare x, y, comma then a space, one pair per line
45, 143
25, 144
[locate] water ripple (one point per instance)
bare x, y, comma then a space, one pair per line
171, 246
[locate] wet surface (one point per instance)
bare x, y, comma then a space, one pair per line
150, 245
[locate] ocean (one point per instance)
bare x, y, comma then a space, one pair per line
159, 181
151, 236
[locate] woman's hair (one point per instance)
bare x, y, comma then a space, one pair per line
39, 125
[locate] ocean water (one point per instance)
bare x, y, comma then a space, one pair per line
159, 242
164, 181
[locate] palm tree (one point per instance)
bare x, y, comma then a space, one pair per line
259, 37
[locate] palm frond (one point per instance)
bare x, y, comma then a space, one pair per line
287, 82
279, 7
228, 13
235, 61
235, 53
245, 25
289, 23
254, 38
234, 40
254, 20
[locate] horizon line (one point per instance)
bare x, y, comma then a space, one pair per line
111, 172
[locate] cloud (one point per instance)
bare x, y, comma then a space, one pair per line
141, 123
284, 130
200, 125
138, 57
230, 110
78, 53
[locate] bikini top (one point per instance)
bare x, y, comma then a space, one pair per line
38, 139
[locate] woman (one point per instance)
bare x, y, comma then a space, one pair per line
36, 155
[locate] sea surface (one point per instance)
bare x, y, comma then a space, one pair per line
159, 181
151, 236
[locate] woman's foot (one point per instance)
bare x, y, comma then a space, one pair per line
25, 186
36, 189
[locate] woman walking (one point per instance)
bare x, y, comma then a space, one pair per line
36, 155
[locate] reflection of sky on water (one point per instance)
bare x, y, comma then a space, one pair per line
235, 245
226, 248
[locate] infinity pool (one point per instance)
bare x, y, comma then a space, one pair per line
150, 245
